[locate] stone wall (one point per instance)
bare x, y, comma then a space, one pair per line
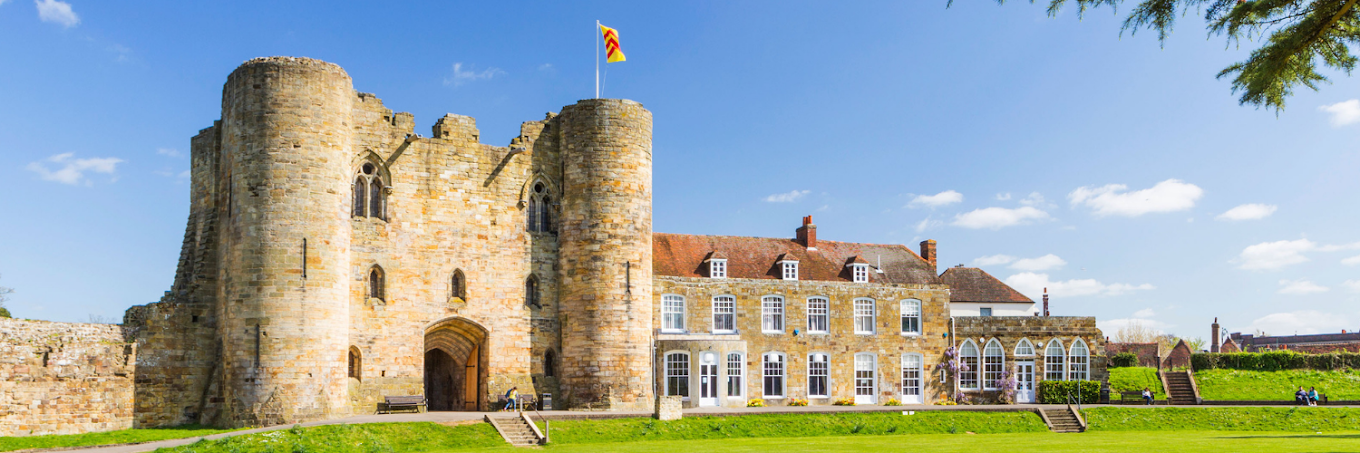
1148, 353
1041, 331
59, 378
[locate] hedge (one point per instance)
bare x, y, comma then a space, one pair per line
1124, 359
1274, 361
1055, 392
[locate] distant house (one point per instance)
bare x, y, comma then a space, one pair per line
974, 292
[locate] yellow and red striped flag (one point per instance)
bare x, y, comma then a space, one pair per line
611, 45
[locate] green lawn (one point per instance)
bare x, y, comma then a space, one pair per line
1274, 419
365, 438
126, 436
1182, 441
794, 425
1134, 379
1224, 385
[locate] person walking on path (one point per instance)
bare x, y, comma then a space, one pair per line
512, 396
1147, 396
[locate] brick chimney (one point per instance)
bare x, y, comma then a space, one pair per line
807, 234
1214, 337
1045, 302
928, 252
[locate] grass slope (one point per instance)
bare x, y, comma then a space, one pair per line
1277, 419
1223, 385
1181, 441
1134, 379
793, 425
365, 438
126, 436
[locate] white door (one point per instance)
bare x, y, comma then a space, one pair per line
1024, 382
708, 379
911, 379
866, 379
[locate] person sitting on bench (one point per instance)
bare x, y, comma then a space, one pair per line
513, 394
1301, 397
1147, 396
1312, 396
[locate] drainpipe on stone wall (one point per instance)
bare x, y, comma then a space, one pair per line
953, 343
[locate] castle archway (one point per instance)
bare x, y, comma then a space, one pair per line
455, 365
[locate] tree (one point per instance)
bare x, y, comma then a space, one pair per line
4, 297
1296, 34
1196, 344
1135, 332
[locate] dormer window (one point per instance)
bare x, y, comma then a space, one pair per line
860, 272
717, 268
790, 269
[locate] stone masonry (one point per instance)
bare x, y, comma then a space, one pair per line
59, 378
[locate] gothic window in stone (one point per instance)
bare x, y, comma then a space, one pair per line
458, 285
772, 314
529, 216
736, 368
672, 313
1053, 361
375, 283
531, 292
369, 198
1077, 361
968, 358
549, 364
864, 316
538, 209
911, 317
677, 374
772, 369
356, 363
819, 372
993, 361
817, 313
1024, 348
724, 314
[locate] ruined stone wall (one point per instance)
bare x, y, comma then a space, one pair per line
606, 254
1039, 330
1148, 353
840, 343
60, 378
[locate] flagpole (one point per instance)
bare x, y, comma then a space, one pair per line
597, 59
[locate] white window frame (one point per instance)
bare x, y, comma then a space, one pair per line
717, 268
860, 273
668, 314
823, 313
772, 309
1061, 355
729, 311
1079, 371
872, 315
968, 351
920, 375
675, 372
987, 313
1024, 348
765, 368
738, 376
825, 374
790, 268
993, 364
911, 309
873, 376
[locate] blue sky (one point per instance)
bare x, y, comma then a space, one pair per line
1049, 151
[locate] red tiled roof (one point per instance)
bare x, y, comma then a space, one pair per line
682, 255
970, 284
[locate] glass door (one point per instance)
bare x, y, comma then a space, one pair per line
911, 379
1024, 382
708, 379
866, 378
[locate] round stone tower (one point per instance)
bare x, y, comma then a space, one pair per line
605, 291
284, 283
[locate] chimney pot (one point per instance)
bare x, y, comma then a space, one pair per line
807, 234
928, 253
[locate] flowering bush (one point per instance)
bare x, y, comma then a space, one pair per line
755, 403
1006, 384
845, 402
797, 402
892, 402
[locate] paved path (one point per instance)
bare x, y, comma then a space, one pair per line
564, 415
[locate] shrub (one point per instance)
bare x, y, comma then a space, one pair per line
1124, 359
757, 402
1275, 361
797, 402
1056, 392
844, 402
892, 402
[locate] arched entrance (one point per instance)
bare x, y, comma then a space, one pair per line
455, 365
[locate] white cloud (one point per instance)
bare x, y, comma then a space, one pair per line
1144, 313
1301, 286
1344, 112
545, 67
1003, 196
1278, 254
1253, 211
1033, 284
72, 171
997, 218
168, 152
1043, 263
1110, 326
1352, 285
57, 12
461, 77
1354, 260
1033, 199
788, 197
947, 197
1167, 196
1303, 322
927, 223
993, 260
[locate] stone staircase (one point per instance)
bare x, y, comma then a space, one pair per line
1064, 420
516, 430
1179, 390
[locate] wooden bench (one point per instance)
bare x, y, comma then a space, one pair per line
391, 403
1133, 398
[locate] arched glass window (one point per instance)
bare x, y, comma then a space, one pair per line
549, 364
458, 285
529, 215
772, 367
370, 199
538, 209
736, 369
1077, 369
545, 213
968, 357
356, 363
1054, 361
911, 317
375, 283
1024, 348
677, 374
531, 292
993, 361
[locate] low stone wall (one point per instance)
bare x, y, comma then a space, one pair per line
1148, 355
61, 378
